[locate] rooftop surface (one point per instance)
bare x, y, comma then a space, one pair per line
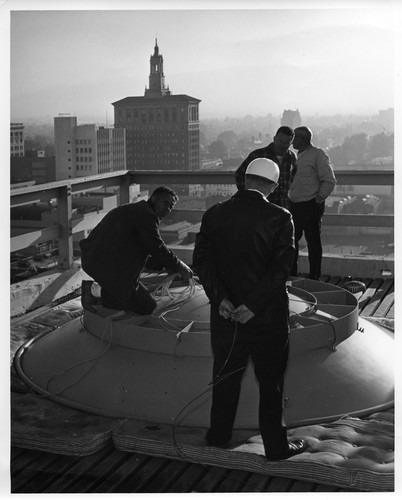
112, 470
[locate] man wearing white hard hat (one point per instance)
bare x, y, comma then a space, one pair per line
243, 255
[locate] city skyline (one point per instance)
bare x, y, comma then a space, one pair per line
320, 61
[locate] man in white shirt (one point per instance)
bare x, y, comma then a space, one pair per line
313, 182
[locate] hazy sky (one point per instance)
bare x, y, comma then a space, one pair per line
237, 57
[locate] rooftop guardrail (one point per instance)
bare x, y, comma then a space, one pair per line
67, 226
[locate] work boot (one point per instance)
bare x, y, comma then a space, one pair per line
88, 301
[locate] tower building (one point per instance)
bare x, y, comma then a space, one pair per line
291, 118
162, 129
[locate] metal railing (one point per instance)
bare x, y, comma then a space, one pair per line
67, 226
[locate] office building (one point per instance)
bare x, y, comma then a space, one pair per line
17, 140
83, 150
162, 129
291, 118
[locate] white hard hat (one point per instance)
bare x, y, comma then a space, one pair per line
263, 167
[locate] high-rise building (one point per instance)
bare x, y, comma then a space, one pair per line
17, 148
162, 129
111, 147
386, 119
83, 150
291, 118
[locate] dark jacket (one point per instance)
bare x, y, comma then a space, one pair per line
244, 252
117, 249
287, 169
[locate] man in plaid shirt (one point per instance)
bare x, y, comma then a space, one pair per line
279, 152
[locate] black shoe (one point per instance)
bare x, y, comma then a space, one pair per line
294, 448
88, 301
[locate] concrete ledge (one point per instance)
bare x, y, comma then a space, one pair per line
332, 264
44, 288
355, 266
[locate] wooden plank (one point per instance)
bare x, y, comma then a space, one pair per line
391, 313
166, 477
78, 469
256, 483
302, 486
379, 295
116, 481
386, 304
16, 454
280, 484
45, 478
325, 488
334, 280
212, 480
368, 295
32, 474
137, 481
89, 481
234, 481
190, 477
325, 278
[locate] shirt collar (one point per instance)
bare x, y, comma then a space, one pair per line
257, 191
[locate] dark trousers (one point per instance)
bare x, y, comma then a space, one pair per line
268, 349
139, 302
307, 217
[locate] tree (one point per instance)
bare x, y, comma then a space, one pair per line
229, 138
356, 148
381, 145
218, 149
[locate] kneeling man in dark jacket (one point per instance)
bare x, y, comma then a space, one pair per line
243, 255
117, 249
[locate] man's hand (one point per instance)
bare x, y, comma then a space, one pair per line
242, 314
226, 309
319, 199
185, 272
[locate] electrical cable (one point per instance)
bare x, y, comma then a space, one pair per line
216, 380
95, 358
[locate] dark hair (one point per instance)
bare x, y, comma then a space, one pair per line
161, 190
285, 130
